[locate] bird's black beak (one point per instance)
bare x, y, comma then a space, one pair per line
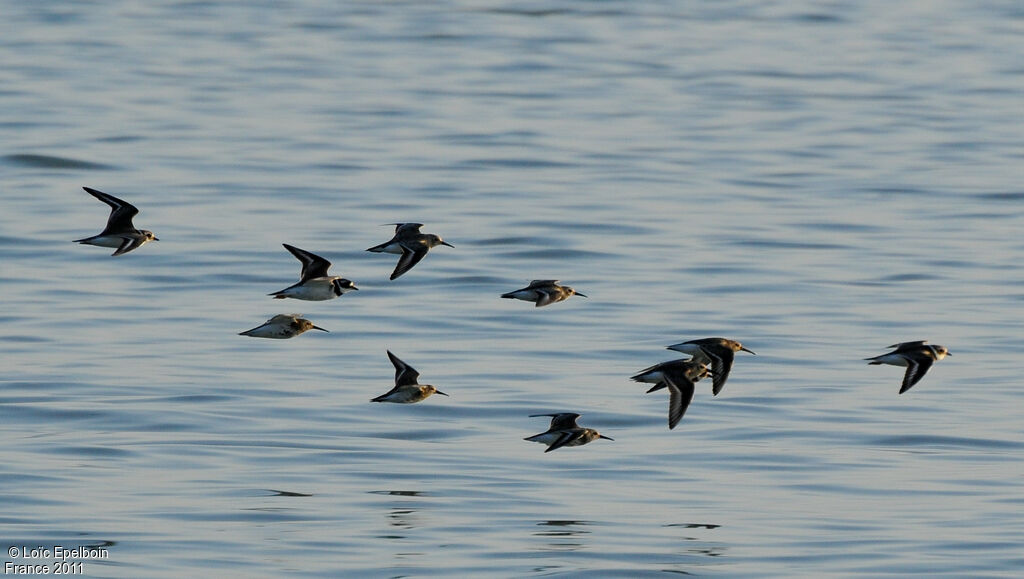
319, 328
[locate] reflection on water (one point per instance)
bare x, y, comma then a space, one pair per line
399, 493
403, 519
564, 528
287, 493
52, 162
563, 535
704, 549
401, 514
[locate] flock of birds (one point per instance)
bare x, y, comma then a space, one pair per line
316, 284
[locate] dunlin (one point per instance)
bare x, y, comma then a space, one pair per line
916, 356
282, 326
718, 352
407, 390
543, 292
565, 432
679, 376
410, 244
314, 282
119, 232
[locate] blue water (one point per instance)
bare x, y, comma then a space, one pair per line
815, 180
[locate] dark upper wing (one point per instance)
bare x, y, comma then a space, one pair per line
916, 369
680, 396
564, 421
128, 243
721, 364
409, 258
566, 437
906, 346
313, 266
560, 420
404, 374
546, 295
672, 366
407, 228
121, 212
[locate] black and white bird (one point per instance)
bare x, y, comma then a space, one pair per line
716, 352
410, 244
543, 292
281, 327
119, 232
315, 284
918, 357
565, 432
407, 387
679, 376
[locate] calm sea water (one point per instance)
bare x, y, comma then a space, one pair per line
817, 180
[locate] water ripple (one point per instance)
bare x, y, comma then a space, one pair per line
53, 162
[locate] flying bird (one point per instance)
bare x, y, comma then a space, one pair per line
410, 244
407, 388
119, 232
282, 326
315, 284
543, 292
916, 356
565, 432
679, 376
718, 352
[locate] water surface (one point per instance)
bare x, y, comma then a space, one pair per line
817, 181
